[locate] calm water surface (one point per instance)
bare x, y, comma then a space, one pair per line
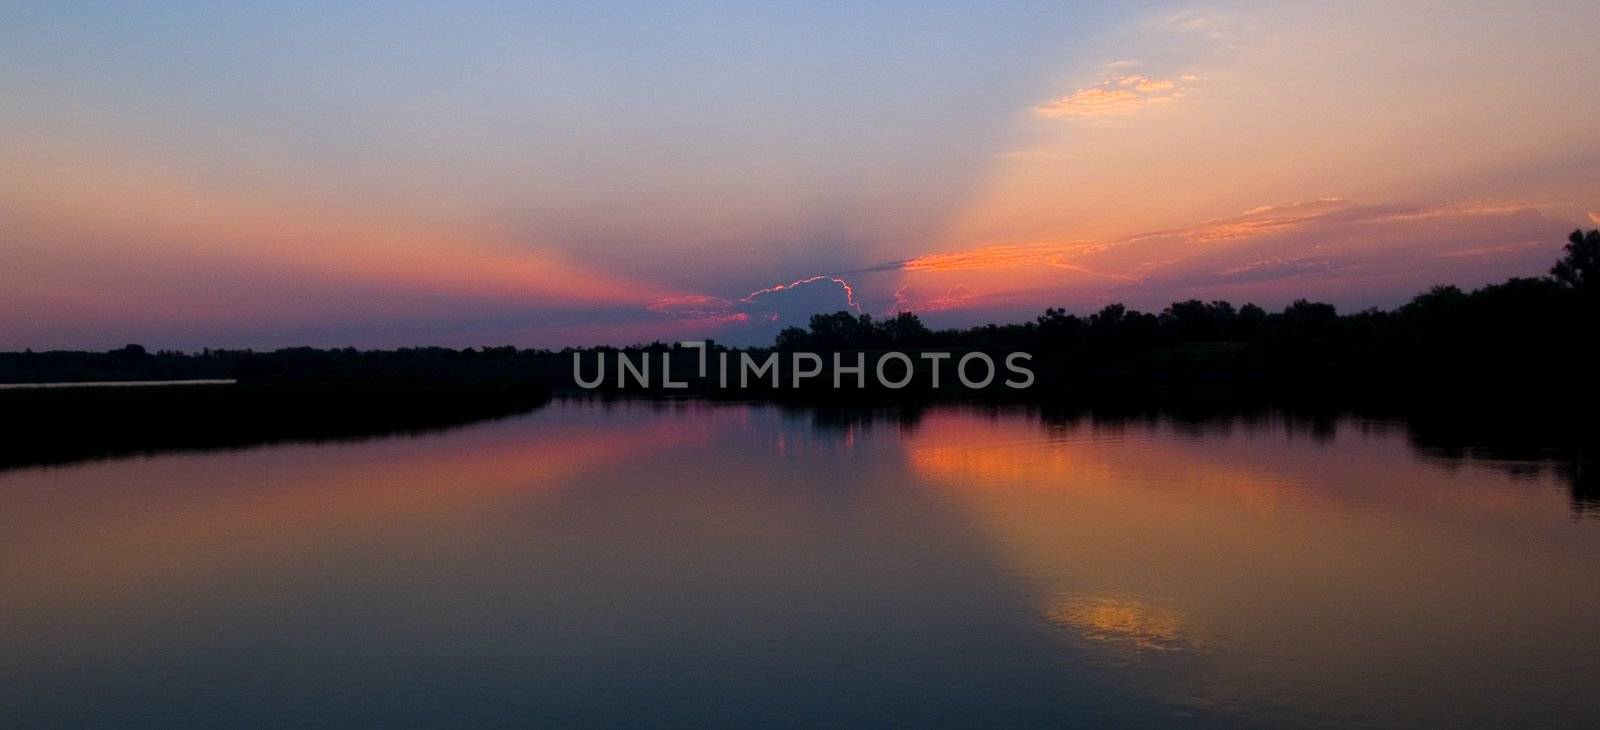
693, 564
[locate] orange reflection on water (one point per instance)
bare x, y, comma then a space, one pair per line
171, 519
1289, 562
1121, 618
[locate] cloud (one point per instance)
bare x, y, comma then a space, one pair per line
1354, 255
1255, 221
849, 291
1119, 96
1094, 102
1333, 249
1212, 26
691, 306
758, 315
1059, 255
1146, 84
1594, 217
989, 257
1330, 249
1265, 270
910, 299
1122, 91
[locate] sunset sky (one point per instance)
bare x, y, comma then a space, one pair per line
189, 175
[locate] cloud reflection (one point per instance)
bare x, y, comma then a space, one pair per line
1124, 619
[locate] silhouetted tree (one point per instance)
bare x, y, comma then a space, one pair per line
1580, 269
1251, 320
1306, 317
1438, 299
792, 338
904, 329
1197, 320
840, 331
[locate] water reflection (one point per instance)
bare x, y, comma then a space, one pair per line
1312, 565
1522, 447
699, 564
1118, 618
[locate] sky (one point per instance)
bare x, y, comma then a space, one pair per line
187, 175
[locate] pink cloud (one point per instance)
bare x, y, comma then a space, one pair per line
909, 299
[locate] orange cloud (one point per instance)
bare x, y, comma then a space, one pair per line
1328, 248
1143, 83
1057, 255
1253, 222
1094, 102
1121, 96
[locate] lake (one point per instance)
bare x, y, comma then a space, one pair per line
688, 563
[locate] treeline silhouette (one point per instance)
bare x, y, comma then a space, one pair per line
292, 394
1524, 340
59, 425
134, 363
1504, 369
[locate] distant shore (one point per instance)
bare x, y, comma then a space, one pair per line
118, 383
66, 424
1513, 357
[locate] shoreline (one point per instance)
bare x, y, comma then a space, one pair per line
118, 383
